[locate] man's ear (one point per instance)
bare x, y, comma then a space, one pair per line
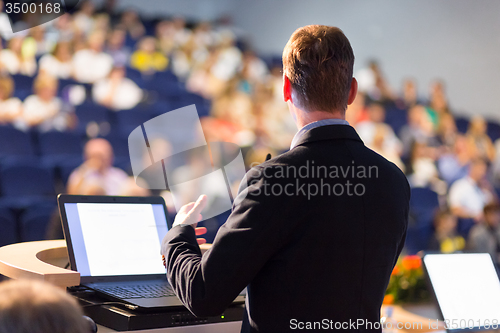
353, 91
287, 89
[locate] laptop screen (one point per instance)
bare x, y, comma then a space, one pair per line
116, 239
467, 289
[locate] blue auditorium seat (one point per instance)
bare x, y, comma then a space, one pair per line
61, 151
56, 143
91, 112
15, 145
26, 180
8, 234
136, 76
494, 130
423, 206
35, 220
23, 81
462, 124
396, 118
127, 120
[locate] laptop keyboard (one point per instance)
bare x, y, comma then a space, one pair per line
138, 291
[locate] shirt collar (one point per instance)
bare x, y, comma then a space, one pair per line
315, 124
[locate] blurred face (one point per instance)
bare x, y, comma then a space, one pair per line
148, 45
478, 170
63, 52
117, 74
117, 38
377, 113
447, 224
96, 42
46, 93
99, 155
492, 218
478, 126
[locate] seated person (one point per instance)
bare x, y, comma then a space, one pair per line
58, 63
97, 175
367, 129
468, 196
43, 109
116, 91
485, 237
445, 238
10, 107
18, 60
147, 59
479, 142
92, 64
28, 306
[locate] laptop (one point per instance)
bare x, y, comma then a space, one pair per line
467, 290
114, 243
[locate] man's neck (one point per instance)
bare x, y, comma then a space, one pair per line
304, 118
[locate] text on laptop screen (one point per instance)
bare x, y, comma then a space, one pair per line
116, 238
466, 287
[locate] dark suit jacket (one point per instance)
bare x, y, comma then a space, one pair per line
305, 256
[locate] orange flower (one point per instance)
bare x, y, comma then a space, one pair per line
388, 299
395, 271
411, 262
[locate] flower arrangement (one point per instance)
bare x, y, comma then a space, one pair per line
407, 284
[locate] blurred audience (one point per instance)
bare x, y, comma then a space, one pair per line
91, 54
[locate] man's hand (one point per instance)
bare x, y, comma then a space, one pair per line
191, 214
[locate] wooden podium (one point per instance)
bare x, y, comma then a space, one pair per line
43, 260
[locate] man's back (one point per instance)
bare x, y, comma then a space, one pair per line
343, 222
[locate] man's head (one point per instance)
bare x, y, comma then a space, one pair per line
492, 215
478, 169
98, 154
317, 65
36, 307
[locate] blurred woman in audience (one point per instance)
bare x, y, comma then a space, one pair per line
409, 96
92, 64
147, 59
116, 47
478, 141
10, 107
454, 165
58, 63
116, 91
447, 132
438, 100
43, 109
445, 238
30, 306
82, 19
16, 59
132, 24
